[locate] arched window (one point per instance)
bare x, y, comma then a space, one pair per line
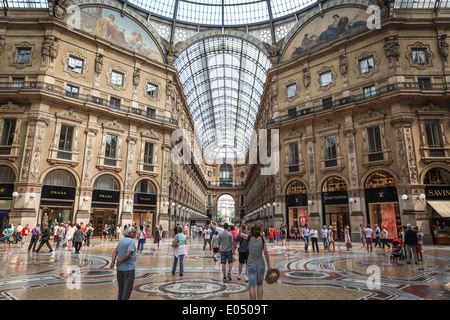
334, 183
437, 176
106, 182
226, 175
61, 178
145, 186
380, 179
7, 175
296, 187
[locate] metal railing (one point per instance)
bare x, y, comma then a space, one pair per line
55, 89
399, 86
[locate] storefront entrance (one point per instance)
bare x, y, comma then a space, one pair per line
102, 217
56, 214
296, 204
338, 217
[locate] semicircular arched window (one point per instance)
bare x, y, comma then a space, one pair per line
107, 182
334, 183
7, 175
146, 186
380, 179
437, 176
296, 187
60, 178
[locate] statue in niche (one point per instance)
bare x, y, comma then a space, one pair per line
60, 9
98, 63
392, 48
343, 64
50, 47
136, 77
2, 44
306, 77
443, 47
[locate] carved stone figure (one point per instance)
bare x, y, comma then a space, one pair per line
136, 77
443, 47
343, 64
306, 77
274, 92
98, 63
274, 50
171, 50
392, 48
60, 9
2, 44
50, 47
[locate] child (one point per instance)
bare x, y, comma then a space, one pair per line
215, 241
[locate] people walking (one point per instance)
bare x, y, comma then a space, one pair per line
314, 238
305, 235
226, 251
141, 239
243, 252
124, 257
368, 233
383, 237
277, 236
207, 236
8, 234
215, 242
362, 235
377, 233
419, 242
69, 235
331, 239
45, 237
324, 236
35, 232
156, 239
411, 242
257, 247
78, 239
25, 232
60, 234
179, 252
347, 238
271, 234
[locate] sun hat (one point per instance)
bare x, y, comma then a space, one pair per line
272, 276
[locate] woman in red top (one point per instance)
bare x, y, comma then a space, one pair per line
25, 233
271, 234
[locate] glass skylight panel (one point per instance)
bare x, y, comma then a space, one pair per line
199, 13
281, 8
246, 13
163, 8
27, 4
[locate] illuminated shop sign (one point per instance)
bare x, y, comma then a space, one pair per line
55, 192
6, 190
437, 192
144, 198
335, 197
106, 196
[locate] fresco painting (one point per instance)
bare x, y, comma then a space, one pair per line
109, 25
334, 25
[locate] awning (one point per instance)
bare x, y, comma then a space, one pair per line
441, 207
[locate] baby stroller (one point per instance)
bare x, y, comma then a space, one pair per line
397, 250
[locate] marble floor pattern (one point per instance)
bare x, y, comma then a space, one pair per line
339, 275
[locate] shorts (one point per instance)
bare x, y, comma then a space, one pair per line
243, 257
207, 241
216, 250
224, 256
369, 240
256, 275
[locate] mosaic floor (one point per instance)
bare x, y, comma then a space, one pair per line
341, 275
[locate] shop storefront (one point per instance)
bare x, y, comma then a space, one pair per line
382, 202
105, 203
57, 198
7, 178
437, 192
144, 208
335, 205
297, 204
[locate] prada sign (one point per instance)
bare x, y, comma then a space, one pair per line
56, 192
437, 192
386, 194
106, 196
144, 198
335, 197
6, 190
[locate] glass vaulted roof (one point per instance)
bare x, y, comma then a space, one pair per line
223, 79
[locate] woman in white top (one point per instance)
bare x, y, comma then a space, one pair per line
119, 232
69, 236
348, 239
331, 239
314, 238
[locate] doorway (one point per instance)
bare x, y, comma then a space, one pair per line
338, 217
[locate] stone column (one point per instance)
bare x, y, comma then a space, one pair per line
128, 195
26, 205
313, 210
164, 218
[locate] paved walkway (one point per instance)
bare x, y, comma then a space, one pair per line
339, 275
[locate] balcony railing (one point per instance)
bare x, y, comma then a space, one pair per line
399, 86
437, 152
64, 155
5, 151
55, 89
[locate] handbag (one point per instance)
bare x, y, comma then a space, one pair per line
349, 245
56, 238
175, 242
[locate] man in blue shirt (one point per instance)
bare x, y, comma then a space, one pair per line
324, 234
125, 256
